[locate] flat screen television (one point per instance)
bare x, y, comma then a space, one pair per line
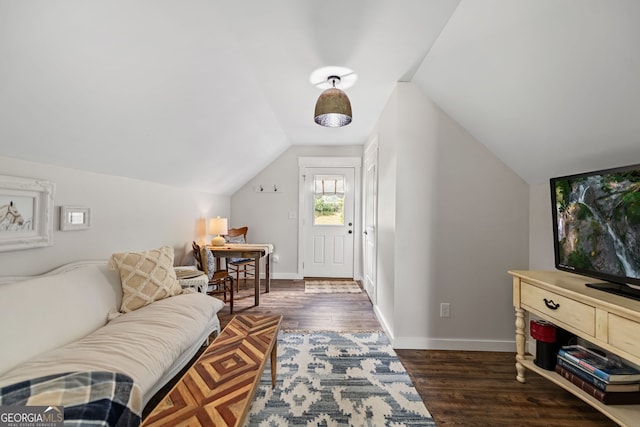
596, 223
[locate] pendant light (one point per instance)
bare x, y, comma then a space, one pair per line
333, 108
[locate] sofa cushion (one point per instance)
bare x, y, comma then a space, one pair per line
146, 276
142, 344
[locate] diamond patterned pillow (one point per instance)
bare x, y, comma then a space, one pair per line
209, 262
146, 277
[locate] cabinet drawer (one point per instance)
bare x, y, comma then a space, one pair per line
572, 313
624, 334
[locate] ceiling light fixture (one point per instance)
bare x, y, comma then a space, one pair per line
333, 108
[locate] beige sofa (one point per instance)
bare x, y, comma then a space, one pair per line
58, 323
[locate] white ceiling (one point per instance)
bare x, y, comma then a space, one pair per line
203, 94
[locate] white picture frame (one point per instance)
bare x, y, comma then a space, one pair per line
74, 218
26, 213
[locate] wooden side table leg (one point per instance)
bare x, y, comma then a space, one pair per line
274, 362
230, 295
268, 272
257, 281
520, 343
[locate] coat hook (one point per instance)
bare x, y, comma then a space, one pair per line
275, 187
261, 189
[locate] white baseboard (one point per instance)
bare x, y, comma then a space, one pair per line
285, 276
385, 326
293, 276
421, 343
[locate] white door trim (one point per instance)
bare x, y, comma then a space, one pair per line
328, 162
370, 159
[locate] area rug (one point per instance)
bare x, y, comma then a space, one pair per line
337, 379
331, 287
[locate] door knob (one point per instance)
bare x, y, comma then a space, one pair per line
350, 224
350, 231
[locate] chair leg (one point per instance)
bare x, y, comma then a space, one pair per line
231, 295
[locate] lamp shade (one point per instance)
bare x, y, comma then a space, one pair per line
218, 226
333, 108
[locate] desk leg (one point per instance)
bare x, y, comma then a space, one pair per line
267, 264
257, 281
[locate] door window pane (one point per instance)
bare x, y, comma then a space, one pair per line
328, 200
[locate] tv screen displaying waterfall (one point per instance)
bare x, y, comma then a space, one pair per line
596, 220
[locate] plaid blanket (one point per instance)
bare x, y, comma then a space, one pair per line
89, 398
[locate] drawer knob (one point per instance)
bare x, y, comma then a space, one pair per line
550, 304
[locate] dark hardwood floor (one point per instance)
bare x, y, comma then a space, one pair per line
459, 388
336, 312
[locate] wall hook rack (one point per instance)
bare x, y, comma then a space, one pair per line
260, 188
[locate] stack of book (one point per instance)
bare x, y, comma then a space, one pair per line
610, 381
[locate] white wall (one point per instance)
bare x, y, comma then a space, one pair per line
461, 221
127, 214
267, 214
540, 228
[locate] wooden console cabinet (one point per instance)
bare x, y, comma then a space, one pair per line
611, 322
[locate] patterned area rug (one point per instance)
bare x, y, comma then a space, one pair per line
331, 287
337, 379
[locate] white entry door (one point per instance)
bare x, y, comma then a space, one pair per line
328, 222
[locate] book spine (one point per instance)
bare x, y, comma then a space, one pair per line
586, 376
592, 369
583, 385
608, 398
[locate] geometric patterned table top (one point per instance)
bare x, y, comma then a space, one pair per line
220, 386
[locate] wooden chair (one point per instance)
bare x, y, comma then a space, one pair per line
238, 266
220, 281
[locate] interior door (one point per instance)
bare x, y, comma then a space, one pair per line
370, 221
328, 222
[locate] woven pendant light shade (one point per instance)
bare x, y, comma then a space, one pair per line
333, 108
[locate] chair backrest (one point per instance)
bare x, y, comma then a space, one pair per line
237, 235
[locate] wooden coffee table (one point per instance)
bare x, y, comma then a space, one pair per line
220, 386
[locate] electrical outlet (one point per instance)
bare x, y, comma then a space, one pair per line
445, 309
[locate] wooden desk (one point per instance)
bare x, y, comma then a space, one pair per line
248, 250
220, 386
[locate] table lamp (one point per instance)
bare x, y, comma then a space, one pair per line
218, 226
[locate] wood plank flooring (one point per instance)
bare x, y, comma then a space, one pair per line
459, 388
335, 312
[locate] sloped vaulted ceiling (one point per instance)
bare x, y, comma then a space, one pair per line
203, 94
153, 90
200, 94
551, 87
